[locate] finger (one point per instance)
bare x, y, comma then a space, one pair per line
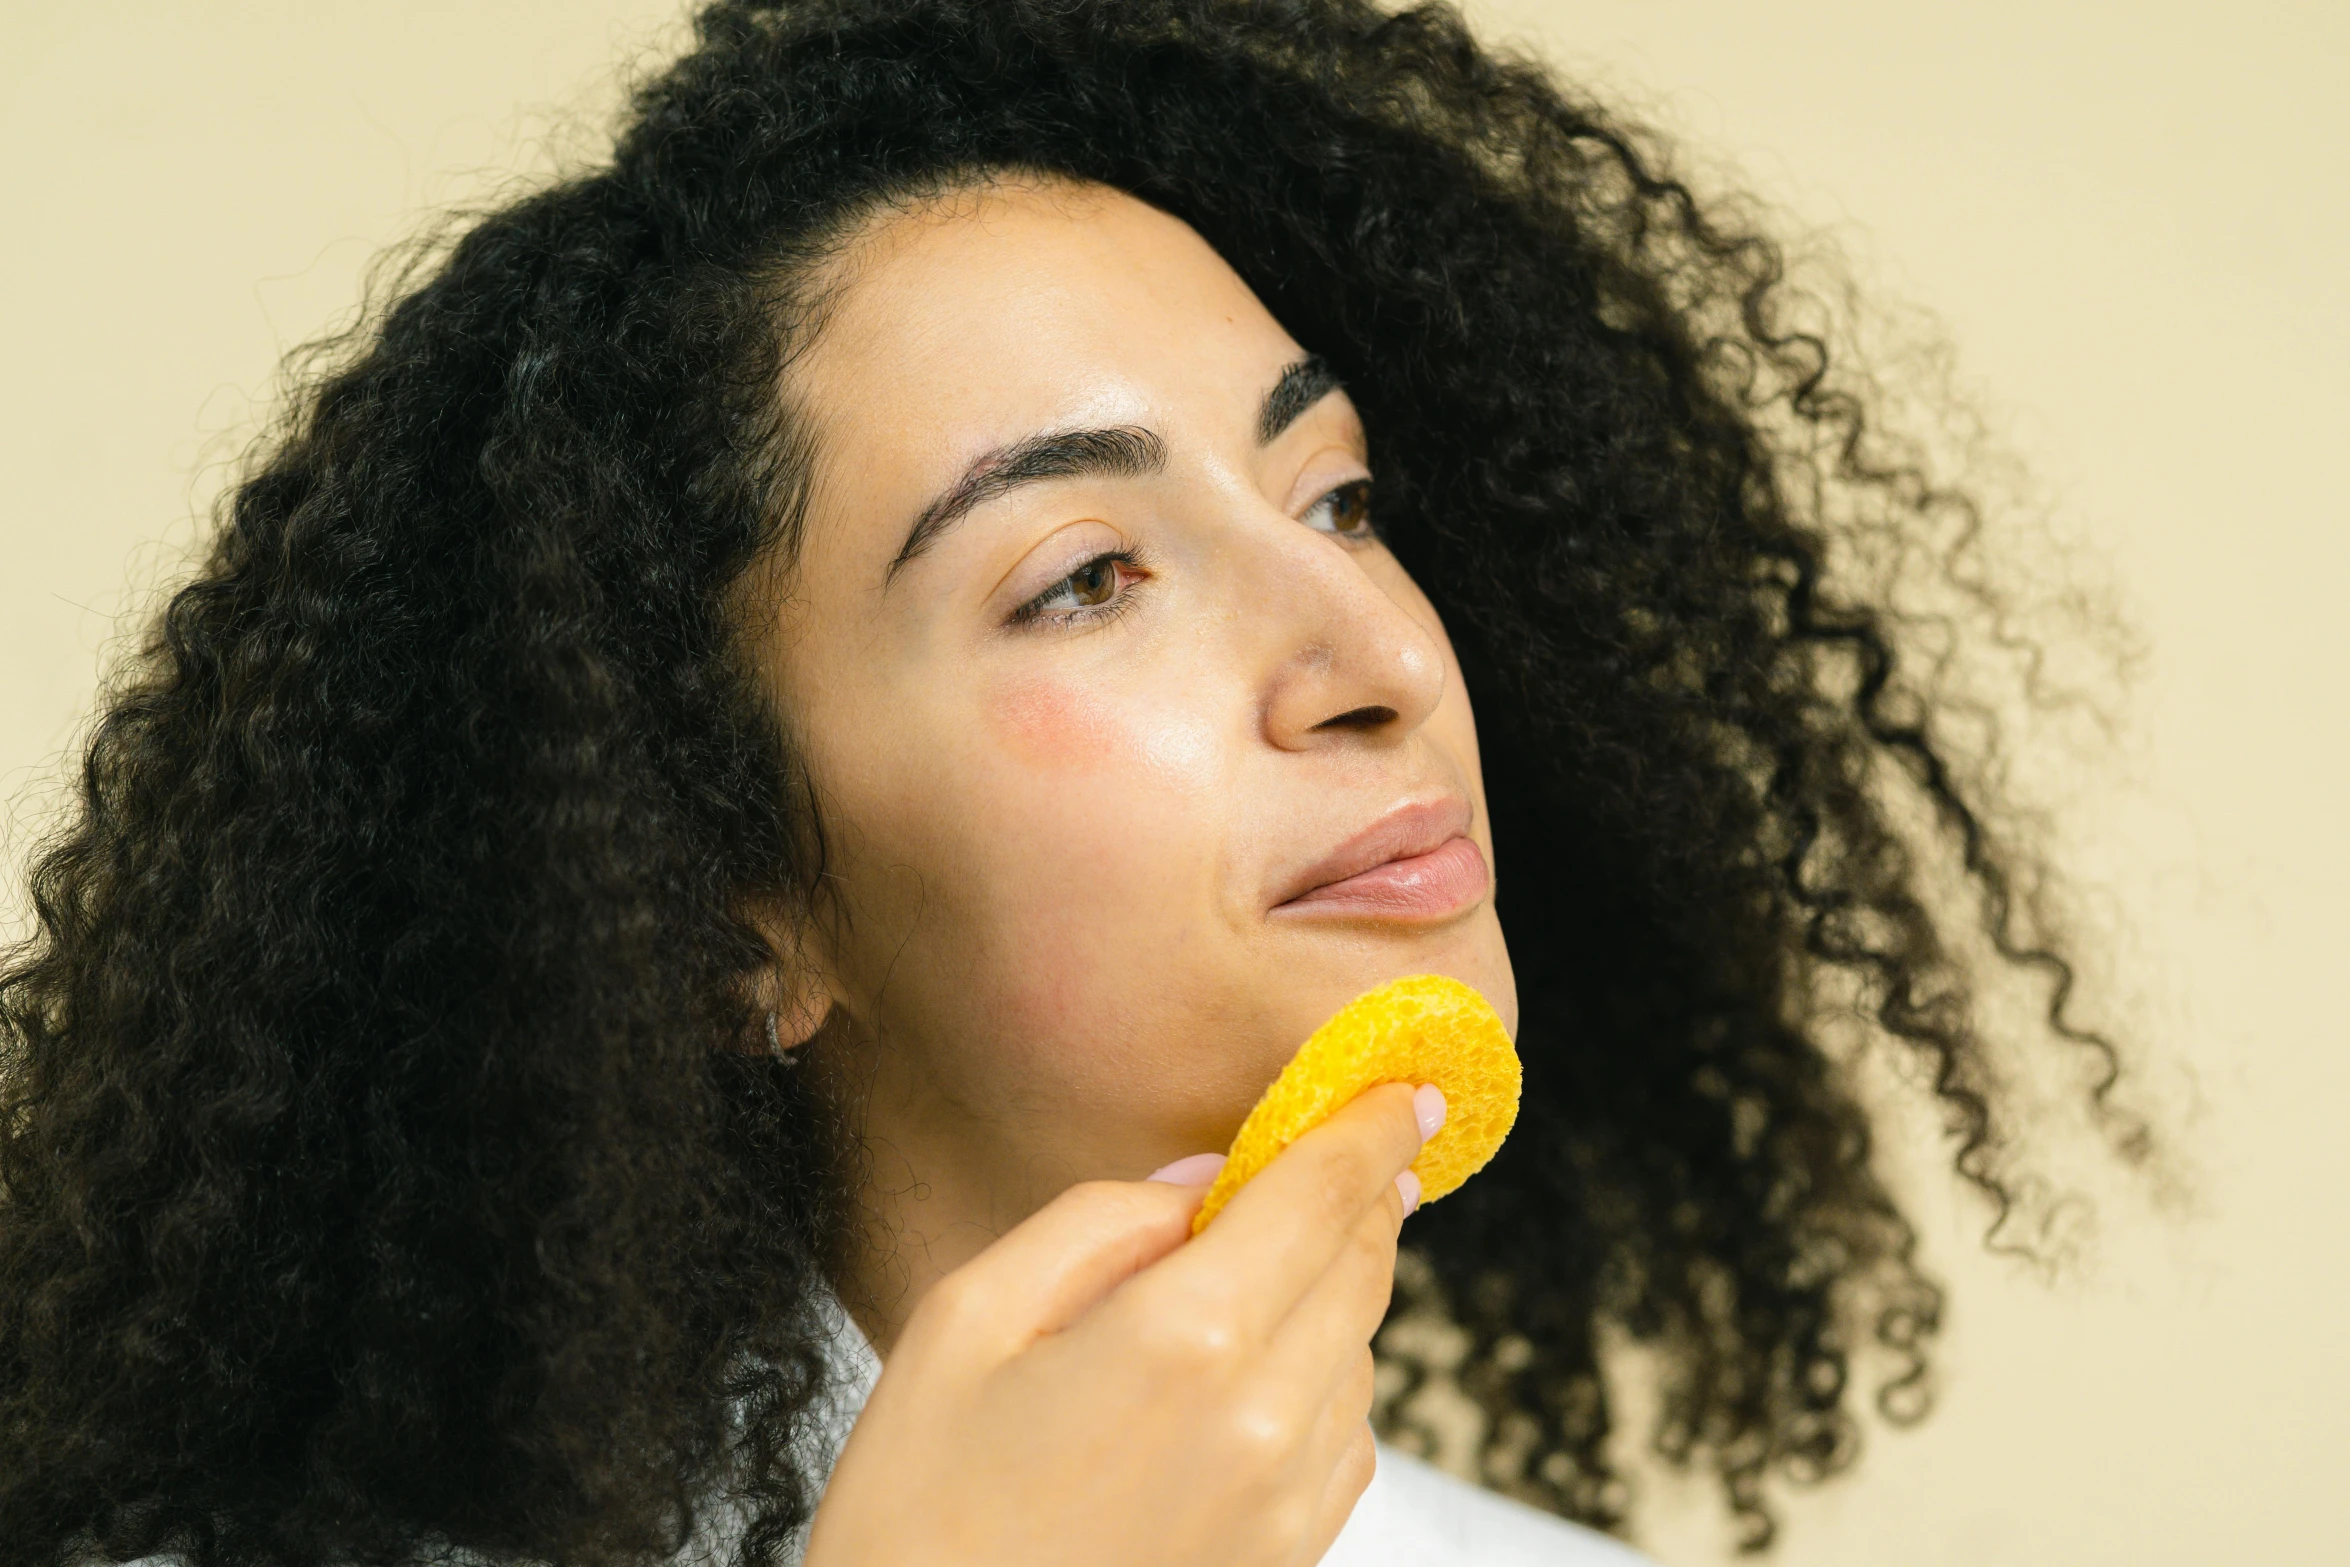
1323, 1349
1346, 1406
1349, 1479
1345, 1448
1341, 1311
1055, 1265
1283, 1229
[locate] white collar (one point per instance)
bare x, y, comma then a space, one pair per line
851, 1368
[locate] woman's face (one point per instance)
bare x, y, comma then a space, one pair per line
1102, 680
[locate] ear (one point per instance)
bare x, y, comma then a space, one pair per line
802, 1001
793, 994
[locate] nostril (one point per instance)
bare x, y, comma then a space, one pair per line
1360, 718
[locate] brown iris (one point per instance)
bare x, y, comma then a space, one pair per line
1350, 509
1094, 582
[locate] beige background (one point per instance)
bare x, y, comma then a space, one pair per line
2130, 218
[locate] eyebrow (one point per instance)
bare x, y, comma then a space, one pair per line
1120, 451
1301, 386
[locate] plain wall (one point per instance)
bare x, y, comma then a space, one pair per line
2128, 218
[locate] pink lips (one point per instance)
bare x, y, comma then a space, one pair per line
1414, 863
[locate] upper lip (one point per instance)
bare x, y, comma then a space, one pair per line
1408, 830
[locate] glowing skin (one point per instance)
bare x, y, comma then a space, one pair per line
1067, 798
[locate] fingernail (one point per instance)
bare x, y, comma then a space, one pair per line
1197, 1170
1408, 1184
1428, 1105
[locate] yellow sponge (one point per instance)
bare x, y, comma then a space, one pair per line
1425, 1029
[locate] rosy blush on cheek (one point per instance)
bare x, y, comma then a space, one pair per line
1056, 725
1062, 726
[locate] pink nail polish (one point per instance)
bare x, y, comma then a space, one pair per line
1408, 1184
1428, 1105
1198, 1169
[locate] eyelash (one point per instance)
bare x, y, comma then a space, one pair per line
1034, 613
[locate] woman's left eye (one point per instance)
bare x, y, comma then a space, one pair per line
1345, 511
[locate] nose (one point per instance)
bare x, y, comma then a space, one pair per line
1345, 663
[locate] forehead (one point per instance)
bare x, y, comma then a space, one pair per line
992, 312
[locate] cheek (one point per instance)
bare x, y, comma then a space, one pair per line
1053, 725
1090, 824
1064, 862
1058, 726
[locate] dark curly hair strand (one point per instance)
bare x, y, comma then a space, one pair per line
377, 1172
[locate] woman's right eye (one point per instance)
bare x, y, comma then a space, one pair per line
1097, 584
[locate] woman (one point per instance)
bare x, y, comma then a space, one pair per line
815, 704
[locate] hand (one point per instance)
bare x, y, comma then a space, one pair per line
1091, 1391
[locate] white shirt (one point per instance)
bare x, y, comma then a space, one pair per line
1412, 1514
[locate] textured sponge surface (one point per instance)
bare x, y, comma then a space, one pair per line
1425, 1029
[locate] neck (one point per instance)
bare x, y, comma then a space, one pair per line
934, 1184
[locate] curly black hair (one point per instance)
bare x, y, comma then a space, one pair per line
379, 1168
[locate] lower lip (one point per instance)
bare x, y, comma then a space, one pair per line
1443, 881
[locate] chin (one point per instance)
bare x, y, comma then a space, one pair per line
1471, 951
